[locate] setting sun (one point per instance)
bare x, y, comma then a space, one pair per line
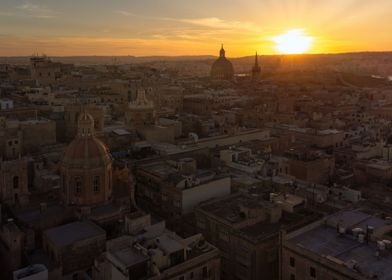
293, 42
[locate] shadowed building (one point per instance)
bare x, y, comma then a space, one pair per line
74, 246
245, 227
222, 69
140, 112
347, 245
256, 70
86, 169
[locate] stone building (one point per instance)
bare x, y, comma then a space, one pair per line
73, 246
140, 112
173, 188
86, 168
245, 227
43, 70
152, 252
310, 165
347, 245
14, 181
11, 248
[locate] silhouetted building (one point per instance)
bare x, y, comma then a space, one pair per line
256, 70
222, 69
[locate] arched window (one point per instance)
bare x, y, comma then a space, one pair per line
15, 182
96, 184
78, 185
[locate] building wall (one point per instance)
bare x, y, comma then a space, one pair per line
214, 189
77, 256
14, 181
315, 171
33, 133
87, 195
302, 263
240, 258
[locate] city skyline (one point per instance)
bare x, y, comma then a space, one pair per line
176, 28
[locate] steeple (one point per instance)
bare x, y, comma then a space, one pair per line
222, 51
256, 70
256, 60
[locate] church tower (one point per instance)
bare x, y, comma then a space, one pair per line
256, 70
222, 69
222, 52
140, 112
86, 168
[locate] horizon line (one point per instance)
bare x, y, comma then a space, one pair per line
193, 55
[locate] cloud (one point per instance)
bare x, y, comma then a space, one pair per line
217, 23
209, 22
125, 13
36, 11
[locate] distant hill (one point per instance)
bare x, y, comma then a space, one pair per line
366, 63
94, 60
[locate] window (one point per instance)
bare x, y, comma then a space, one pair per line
191, 275
292, 277
312, 272
96, 184
292, 262
78, 185
224, 235
205, 273
15, 182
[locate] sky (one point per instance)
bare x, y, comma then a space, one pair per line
189, 27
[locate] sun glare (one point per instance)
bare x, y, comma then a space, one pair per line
293, 42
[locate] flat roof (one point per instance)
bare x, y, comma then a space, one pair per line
69, 233
325, 241
129, 256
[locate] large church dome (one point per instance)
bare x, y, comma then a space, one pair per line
86, 167
86, 151
222, 69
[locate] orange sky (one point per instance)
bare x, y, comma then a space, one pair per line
182, 27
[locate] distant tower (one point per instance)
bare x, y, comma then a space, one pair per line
256, 70
222, 52
140, 112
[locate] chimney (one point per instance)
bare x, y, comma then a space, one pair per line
369, 233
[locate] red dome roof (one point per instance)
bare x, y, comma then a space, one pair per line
86, 152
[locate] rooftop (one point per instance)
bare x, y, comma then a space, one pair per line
129, 256
69, 233
255, 225
325, 241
